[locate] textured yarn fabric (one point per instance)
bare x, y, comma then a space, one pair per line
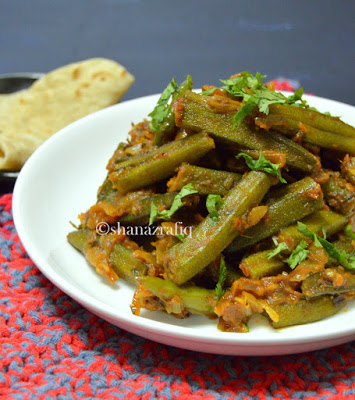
53, 348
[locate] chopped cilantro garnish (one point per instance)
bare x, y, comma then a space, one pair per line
349, 232
298, 255
162, 109
278, 249
213, 203
324, 233
181, 236
210, 91
255, 94
223, 272
177, 204
262, 164
342, 257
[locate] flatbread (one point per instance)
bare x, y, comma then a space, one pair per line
62, 96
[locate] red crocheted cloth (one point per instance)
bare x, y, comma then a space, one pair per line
51, 347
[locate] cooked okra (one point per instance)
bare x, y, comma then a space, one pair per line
276, 238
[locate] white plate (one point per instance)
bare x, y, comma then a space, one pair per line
61, 179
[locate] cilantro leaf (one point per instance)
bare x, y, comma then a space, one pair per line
210, 91
262, 164
213, 203
181, 236
349, 232
278, 249
298, 255
245, 110
177, 204
297, 96
324, 233
153, 213
162, 109
223, 272
255, 94
342, 257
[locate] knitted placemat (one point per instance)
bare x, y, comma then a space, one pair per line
52, 347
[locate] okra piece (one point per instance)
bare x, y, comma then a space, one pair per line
301, 198
121, 259
210, 238
204, 180
141, 212
79, 239
197, 115
196, 299
165, 129
310, 134
314, 119
348, 168
258, 265
107, 192
339, 193
331, 281
213, 160
344, 244
232, 276
161, 163
306, 311
330, 221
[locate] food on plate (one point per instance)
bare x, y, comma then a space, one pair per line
229, 203
29, 117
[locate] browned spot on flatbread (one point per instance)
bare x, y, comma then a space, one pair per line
76, 73
80, 89
102, 75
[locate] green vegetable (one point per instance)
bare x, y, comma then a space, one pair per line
162, 108
298, 255
177, 204
181, 236
259, 264
121, 259
205, 180
262, 164
223, 272
342, 257
195, 299
165, 123
331, 221
306, 311
278, 249
349, 232
160, 163
186, 259
198, 115
313, 118
287, 208
322, 283
213, 203
255, 94
141, 209
291, 127
338, 193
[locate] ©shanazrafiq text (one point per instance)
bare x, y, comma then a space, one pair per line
103, 229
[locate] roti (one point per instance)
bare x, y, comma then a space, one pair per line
62, 96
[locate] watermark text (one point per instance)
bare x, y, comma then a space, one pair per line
176, 229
